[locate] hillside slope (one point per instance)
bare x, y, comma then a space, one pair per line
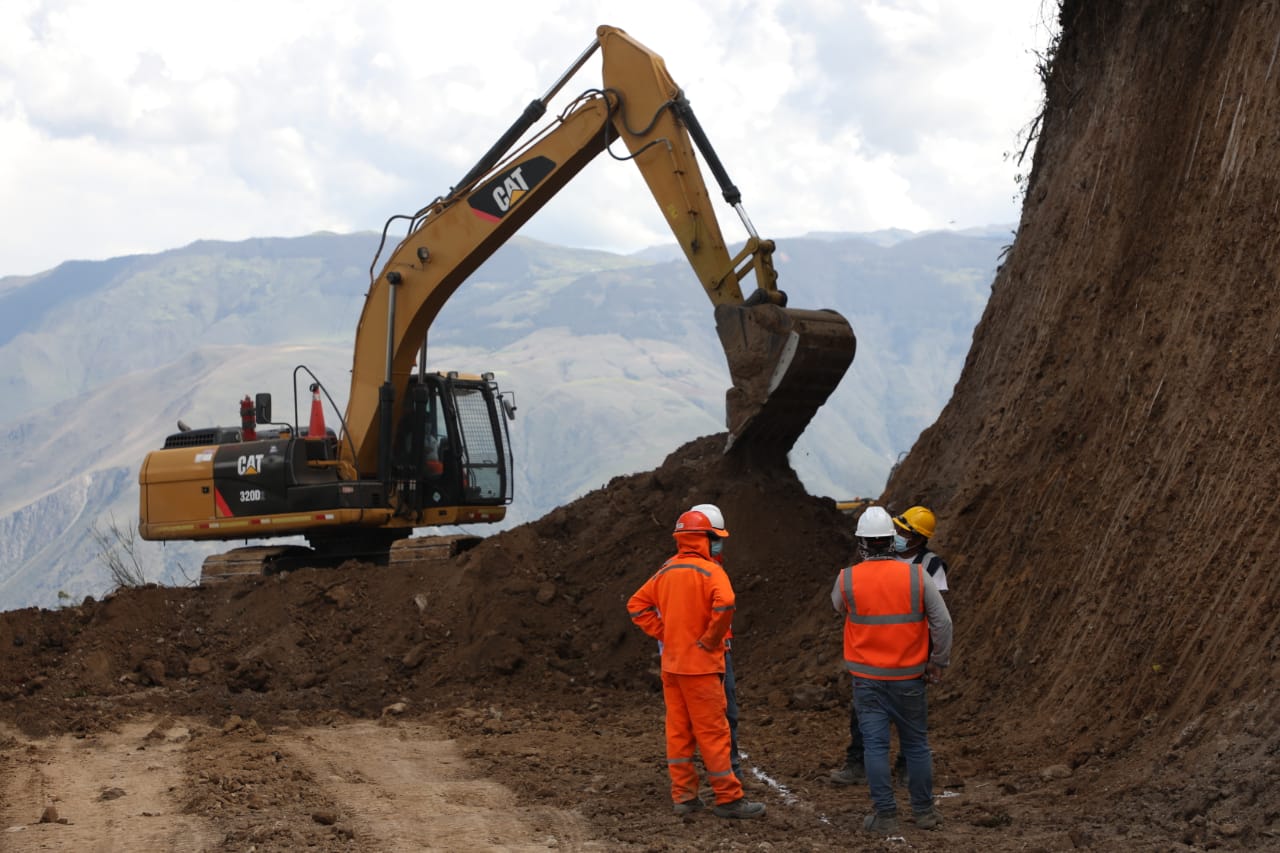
1105, 471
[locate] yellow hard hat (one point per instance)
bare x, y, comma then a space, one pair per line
918, 520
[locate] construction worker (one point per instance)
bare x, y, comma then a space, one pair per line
914, 529
687, 606
911, 538
897, 638
911, 541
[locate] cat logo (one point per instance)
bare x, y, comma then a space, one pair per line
247, 466
510, 191
492, 200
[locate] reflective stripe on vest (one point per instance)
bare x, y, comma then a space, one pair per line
698, 569
913, 615
637, 613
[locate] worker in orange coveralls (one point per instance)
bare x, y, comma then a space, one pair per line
687, 606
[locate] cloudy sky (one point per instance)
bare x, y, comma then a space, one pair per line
131, 126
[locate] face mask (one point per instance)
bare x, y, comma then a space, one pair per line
899, 543
717, 545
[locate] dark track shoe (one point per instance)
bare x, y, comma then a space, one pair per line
928, 819
883, 823
739, 808
688, 807
850, 774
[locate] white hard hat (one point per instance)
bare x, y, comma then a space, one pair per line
874, 523
713, 514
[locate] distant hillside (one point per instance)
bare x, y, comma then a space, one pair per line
614, 361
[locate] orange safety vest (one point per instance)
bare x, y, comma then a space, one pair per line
886, 634
687, 602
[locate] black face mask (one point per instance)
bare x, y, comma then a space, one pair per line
868, 548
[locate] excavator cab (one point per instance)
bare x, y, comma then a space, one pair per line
450, 463
452, 448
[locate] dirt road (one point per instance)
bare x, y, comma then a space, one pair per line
165, 785
113, 791
508, 779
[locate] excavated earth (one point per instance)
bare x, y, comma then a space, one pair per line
1104, 481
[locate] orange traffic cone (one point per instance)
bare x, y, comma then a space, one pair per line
316, 428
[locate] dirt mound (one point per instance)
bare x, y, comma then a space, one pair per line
540, 607
521, 647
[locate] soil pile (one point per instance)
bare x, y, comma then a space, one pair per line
540, 608
1105, 471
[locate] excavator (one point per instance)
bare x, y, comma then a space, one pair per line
421, 448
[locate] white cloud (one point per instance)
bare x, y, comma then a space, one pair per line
136, 125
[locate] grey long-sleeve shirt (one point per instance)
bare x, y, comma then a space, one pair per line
940, 629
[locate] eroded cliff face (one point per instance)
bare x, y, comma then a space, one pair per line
1105, 472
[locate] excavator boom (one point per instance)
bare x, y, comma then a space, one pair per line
783, 363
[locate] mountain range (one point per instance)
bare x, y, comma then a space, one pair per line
613, 359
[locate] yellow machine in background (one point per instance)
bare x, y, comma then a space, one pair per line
419, 449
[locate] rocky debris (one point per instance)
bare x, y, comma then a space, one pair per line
415, 656
199, 666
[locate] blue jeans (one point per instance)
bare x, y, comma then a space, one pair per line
905, 705
853, 755
731, 711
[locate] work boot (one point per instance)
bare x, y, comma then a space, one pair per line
850, 774
688, 807
930, 818
881, 822
739, 808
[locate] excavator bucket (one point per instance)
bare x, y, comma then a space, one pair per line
784, 363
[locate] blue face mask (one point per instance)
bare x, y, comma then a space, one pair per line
899, 543
717, 545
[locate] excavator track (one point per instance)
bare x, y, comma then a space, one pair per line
253, 561
422, 548
783, 363
258, 560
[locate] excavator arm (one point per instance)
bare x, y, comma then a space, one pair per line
783, 362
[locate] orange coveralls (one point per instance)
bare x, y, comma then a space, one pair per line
688, 607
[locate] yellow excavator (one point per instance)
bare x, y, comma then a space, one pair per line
421, 448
